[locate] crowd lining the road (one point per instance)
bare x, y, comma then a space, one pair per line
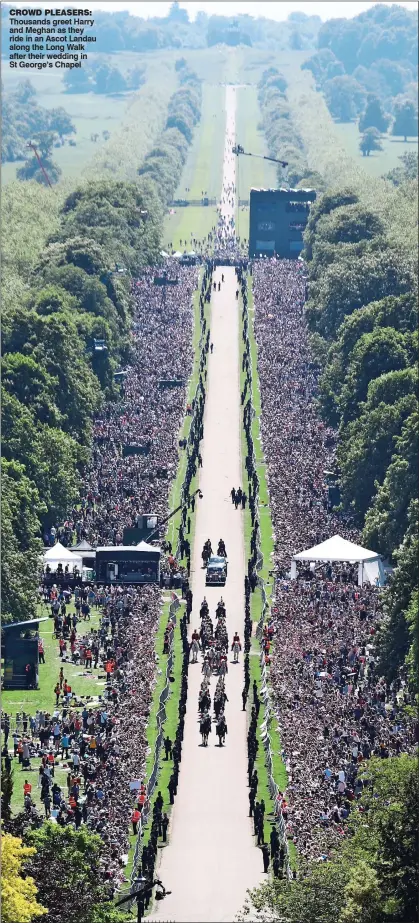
333, 709
104, 749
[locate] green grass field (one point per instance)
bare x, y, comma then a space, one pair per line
89, 118
379, 162
266, 535
202, 174
83, 683
133, 119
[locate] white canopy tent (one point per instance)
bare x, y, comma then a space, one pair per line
144, 546
57, 554
337, 548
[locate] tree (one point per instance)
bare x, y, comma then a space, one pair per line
6, 794
382, 350
355, 280
72, 858
24, 92
371, 877
60, 122
405, 119
28, 381
395, 75
398, 630
365, 450
407, 172
108, 79
78, 80
135, 78
363, 902
373, 116
387, 519
176, 14
18, 893
32, 170
370, 141
44, 143
349, 224
21, 509
345, 97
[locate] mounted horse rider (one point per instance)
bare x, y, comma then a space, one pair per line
236, 647
221, 550
205, 728
221, 729
194, 646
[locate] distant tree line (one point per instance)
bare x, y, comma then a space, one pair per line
282, 137
367, 69
103, 77
53, 379
164, 163
120, 31
23, 120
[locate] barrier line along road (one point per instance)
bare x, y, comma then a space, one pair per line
211, 860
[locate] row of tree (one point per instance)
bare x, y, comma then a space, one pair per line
362, 310
23, 121
103, 77
54, 378
375, 53
282, 137
164, 163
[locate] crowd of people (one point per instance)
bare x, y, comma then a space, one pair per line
104, 748
333, 709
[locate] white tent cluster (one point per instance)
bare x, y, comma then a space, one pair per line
336, 548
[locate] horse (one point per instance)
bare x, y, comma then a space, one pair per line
236, 648
206, 668
223, 668
194, 647
205, 729
221, 730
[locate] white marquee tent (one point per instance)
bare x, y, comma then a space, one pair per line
57, 554
337, 548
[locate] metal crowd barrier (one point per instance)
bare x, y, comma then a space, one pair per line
265, 691
161, 718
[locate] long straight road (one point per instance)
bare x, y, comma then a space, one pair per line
211, 859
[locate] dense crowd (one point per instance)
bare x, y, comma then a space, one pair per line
104, 748
334, 710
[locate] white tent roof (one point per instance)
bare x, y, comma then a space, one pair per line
337, 549
57, 554
144, 546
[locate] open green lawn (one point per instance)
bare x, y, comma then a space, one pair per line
83, 683
379, 162
89, 117
132, 118
250, 171
202, 174
188, 223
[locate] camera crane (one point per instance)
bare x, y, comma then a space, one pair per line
143, 894
239, 149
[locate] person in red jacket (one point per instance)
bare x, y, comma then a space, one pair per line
135, 817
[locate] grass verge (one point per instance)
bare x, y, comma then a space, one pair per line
267, 546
